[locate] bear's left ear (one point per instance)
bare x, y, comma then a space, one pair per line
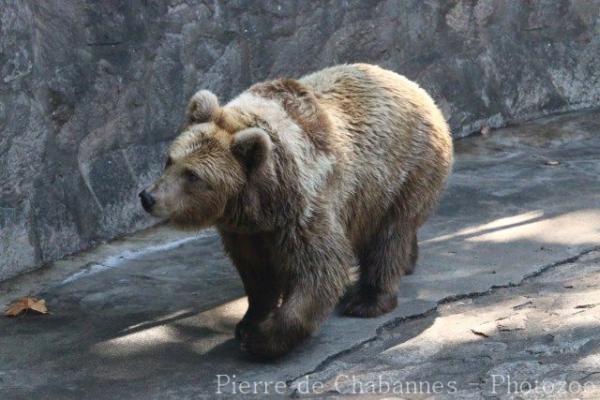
252, 147
203, 107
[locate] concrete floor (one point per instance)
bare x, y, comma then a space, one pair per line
152, 315
536, 340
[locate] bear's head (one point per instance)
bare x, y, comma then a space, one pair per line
208, 164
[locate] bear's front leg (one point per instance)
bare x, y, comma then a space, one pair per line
314, 271
263, 296
251, 256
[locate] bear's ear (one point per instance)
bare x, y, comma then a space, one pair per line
252, 147
203, 107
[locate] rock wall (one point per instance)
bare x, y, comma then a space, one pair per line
91, 92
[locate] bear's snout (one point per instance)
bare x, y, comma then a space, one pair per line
147, 200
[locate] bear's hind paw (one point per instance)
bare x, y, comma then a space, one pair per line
369, 307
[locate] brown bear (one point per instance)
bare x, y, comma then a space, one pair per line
305, 179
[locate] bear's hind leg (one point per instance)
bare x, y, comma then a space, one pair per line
388, 255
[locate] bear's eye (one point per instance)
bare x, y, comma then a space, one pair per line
198, 183
168, 163
190, 176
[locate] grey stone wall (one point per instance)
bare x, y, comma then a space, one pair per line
92, 91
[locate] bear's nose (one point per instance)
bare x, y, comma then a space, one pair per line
147, 200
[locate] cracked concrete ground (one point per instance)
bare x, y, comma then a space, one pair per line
536, 340
152, 315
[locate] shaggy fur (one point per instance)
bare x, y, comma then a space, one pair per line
305, 179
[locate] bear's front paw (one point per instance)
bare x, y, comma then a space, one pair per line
268, 339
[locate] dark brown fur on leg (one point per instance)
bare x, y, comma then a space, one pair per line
383, 261
262, 298
252, 260
316, 272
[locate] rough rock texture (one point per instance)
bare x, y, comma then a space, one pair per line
91, 92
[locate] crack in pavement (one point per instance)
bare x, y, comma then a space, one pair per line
396, 322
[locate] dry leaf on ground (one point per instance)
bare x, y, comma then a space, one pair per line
26, 304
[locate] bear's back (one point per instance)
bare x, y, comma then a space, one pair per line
393, 134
